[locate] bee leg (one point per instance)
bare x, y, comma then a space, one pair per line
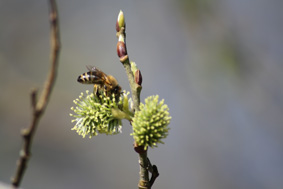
105, 91
95, 90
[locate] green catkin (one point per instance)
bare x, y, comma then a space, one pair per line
150, 124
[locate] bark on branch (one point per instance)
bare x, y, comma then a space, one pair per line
39, 106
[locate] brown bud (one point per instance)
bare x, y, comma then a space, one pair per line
121, 49
117, 26
138, 77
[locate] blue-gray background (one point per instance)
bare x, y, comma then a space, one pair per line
217, 64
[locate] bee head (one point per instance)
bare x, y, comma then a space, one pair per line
117, 90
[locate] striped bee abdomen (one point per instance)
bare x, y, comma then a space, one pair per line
89, 78
103, 84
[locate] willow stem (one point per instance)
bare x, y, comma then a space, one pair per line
39, 106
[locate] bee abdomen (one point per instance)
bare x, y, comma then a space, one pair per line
88, 78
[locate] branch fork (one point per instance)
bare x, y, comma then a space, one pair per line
39, 106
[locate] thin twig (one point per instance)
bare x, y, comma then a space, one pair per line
40, 105
154, 175
154, 172
136, 90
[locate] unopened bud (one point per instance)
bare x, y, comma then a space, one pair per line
120, 21
138, 77
117, 26
121, 49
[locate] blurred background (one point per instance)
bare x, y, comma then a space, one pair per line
218, 65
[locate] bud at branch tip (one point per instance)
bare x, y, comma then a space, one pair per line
120, 21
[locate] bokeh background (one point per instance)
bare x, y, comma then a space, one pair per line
218, 65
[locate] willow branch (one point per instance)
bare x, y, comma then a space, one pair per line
39, 106
135, 85
136, 89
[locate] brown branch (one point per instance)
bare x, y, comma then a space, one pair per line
154, 172
39, 106
135, 84
154, 175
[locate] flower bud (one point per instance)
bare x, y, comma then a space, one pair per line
138, 77
120, 21
117, 26
122, 51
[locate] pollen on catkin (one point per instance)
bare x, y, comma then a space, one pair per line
94, 114
150, 123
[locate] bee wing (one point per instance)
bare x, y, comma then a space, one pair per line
92, 68
97, 72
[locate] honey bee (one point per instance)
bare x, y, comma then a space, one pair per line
101, 81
